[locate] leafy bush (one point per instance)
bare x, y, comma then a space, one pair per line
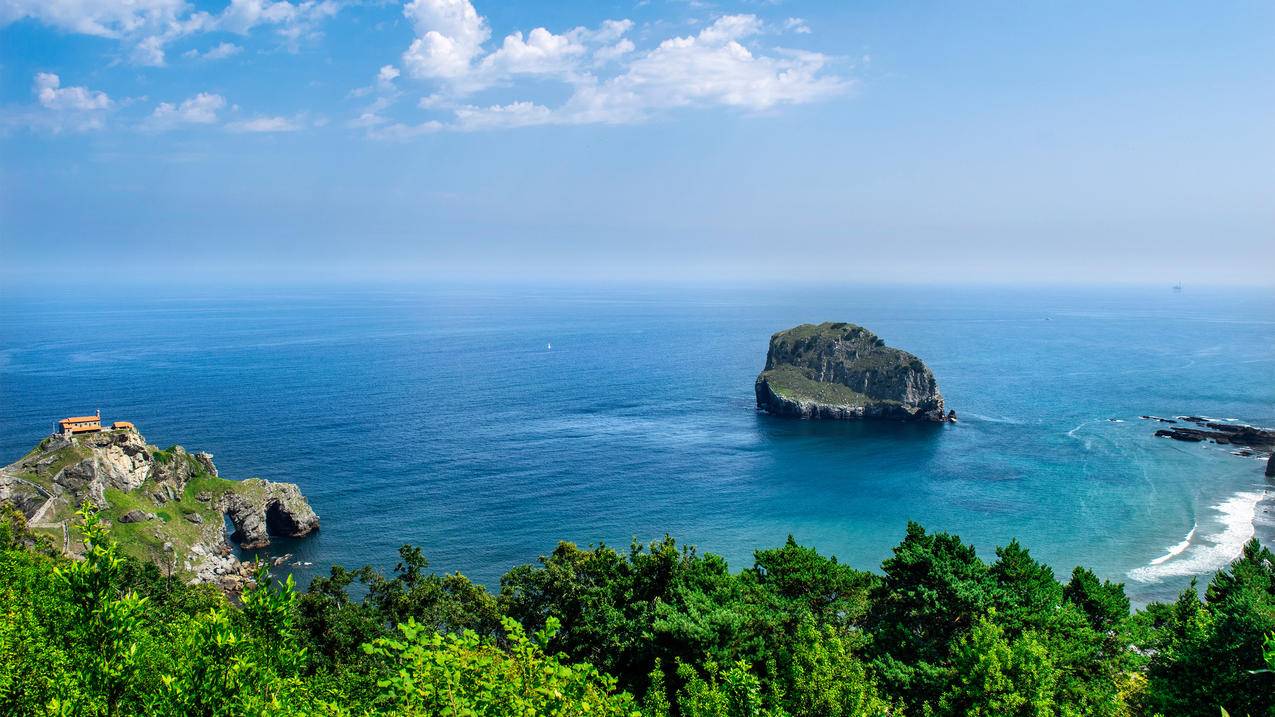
939, 632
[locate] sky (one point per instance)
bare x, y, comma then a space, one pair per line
759, 140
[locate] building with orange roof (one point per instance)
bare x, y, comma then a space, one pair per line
123, 426
80, 424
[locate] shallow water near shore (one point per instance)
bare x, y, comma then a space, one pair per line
487, 423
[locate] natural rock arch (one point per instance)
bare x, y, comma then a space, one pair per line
268, 509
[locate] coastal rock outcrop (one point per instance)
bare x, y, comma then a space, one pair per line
1248, 440
1226, 434
151, 498
263, 509
117, 459
844, 371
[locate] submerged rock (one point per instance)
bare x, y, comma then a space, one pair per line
844, 371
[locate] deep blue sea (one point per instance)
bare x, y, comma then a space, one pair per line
487, 423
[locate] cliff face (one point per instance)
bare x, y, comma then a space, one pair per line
166, 506
844, 371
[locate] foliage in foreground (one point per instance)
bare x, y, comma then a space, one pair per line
656, 631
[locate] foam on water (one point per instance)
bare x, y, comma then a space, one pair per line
991, 419
1176, 550
1215, 550
1072, 432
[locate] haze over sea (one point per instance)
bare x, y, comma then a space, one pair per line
486, 423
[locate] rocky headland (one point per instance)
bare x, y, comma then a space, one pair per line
842, 371
167, 506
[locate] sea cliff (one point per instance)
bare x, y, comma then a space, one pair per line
167, 506
843, 371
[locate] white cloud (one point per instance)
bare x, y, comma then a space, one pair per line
711, 68
220, 52
60, 109
146, 27
451, 34
102, 18
386, 94
387, 75
517, 114
397, 130
797, 25
611, 80
541, 53
200, 109
610, 53
52, 95
292, 21
610, 31
265, 124
434, 101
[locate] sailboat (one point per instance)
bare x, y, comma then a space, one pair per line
1177, 288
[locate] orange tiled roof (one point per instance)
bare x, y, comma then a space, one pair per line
80, 419
124, 424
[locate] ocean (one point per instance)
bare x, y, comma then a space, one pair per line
486, 423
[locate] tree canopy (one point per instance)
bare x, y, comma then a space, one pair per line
658, 630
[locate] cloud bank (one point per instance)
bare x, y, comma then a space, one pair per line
146, 27
611, 81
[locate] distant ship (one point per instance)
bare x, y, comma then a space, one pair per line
548, 347
1177, 288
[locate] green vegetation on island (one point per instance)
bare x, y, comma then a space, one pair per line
843, 371
657, 630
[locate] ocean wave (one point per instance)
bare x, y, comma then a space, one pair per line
1213, 551
1178, 549
990, 419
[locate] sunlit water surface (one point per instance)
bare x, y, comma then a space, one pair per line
486, 424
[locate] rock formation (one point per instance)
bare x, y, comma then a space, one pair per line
1248, 440
166, 506
263, 509
844, 371
1225, 434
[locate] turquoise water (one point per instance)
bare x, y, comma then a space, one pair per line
441, 416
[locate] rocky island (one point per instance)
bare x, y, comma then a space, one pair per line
166, 506
843, 371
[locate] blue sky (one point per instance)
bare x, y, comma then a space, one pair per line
759, 140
